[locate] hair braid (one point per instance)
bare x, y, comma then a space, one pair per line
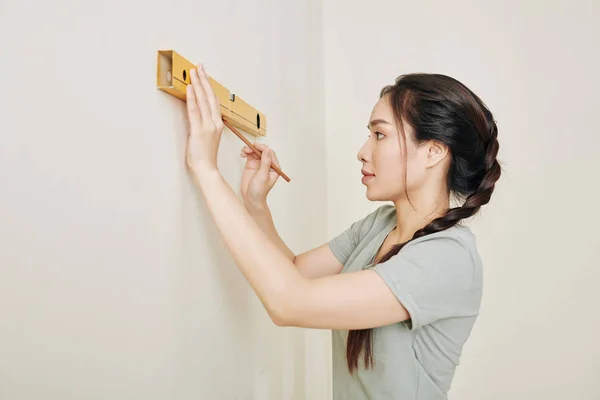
477, 199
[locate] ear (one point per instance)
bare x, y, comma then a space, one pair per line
435, 152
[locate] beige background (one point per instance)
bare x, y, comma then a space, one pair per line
535, 63
114, 282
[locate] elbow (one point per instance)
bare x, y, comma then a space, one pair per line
287, 308
289, 303
281, 314
278, 320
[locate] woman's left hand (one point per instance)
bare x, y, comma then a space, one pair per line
206, 124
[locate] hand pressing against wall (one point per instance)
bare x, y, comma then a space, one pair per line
206, 124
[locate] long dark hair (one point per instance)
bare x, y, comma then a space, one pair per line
441, 108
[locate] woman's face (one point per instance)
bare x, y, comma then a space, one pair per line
384, 155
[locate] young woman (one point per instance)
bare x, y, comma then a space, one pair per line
401, 287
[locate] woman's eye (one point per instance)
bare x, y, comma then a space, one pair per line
377, 133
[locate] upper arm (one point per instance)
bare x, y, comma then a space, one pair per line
423, 283
354, 300
318, 262
345, 242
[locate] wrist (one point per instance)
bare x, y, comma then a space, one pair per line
256, 206
200, 166
204, 172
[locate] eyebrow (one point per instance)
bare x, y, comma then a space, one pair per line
377, 121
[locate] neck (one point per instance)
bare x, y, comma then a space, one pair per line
427, 207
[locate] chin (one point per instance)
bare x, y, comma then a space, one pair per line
373, 195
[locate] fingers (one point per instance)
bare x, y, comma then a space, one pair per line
192, 106
260, 146
265, 164
274, 159
246, 151
200, 95
252, 155
211, 97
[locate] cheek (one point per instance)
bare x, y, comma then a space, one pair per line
415, 174
391, 172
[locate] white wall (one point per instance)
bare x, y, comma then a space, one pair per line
535, 63
114, 282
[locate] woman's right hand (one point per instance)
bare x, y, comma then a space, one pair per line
258, 177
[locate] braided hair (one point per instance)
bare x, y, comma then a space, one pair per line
441, 108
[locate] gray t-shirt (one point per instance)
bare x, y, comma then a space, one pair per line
438, 279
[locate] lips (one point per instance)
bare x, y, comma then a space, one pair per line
367, 176
366, 173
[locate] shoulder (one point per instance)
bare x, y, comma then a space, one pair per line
455, 246
361, 230
384, 214
387, 211
460, 235
383, 211
377, 218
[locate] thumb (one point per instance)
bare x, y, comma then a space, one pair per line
265, 165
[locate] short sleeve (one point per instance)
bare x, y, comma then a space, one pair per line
434, 279
345, 242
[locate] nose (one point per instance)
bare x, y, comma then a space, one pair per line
362, 153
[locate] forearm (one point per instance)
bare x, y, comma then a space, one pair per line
262, 216
267, 269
